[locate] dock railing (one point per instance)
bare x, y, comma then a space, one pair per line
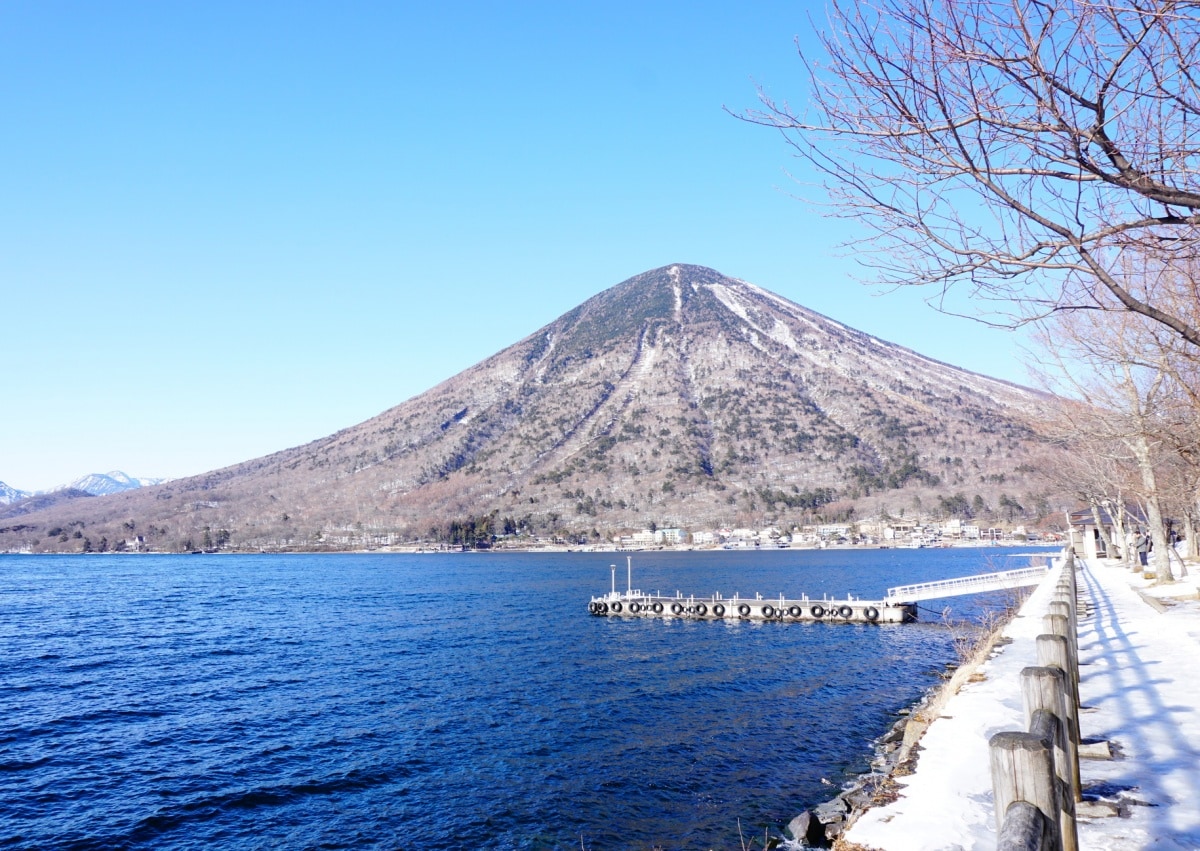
995, 581
1035, 772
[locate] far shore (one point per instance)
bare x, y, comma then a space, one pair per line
444, 549
715, 548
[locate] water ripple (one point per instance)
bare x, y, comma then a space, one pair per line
434, 702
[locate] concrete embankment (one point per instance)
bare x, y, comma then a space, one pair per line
1140, 725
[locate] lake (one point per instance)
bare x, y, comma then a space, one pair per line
442, 701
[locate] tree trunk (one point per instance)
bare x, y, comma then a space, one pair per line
1117, 512
1154, 519
1161, 557
1104, 536
1189, 531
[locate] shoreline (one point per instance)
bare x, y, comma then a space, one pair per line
1139, 772
896, 754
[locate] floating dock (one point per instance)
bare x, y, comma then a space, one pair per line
900, 605
717, 607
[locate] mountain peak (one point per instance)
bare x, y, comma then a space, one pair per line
102, 484
638, 309
9, 495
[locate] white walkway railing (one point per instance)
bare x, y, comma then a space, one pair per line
967, 585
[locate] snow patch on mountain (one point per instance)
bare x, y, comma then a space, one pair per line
95, 484
9, 495
728, 298
783, 335
114, 481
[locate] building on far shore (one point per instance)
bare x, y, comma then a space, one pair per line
669, 537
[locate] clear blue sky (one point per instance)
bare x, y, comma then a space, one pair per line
229, 228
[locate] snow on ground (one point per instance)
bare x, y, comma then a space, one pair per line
1139, 676
947, 801
1141, 687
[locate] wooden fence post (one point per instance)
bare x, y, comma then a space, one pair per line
1064, 609
1044, 690
1023, 828
1035, 775
1023, 770
1060, 626
1053, 651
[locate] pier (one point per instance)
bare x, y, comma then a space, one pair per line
899, 606
717, 607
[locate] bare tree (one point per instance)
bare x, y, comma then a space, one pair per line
1179, 414
1093, 467
1109, 359
1178, 488
1026, 150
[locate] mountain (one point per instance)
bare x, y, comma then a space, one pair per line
101, 484
93, 484
17, 503
41, 501
10, 495
680, 397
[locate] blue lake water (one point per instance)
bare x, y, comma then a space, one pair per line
440, 702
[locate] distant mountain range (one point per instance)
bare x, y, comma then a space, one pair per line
101, 484
10, 494
94, 484
678, 398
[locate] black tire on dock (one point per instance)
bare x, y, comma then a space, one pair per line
701, 610
719, 610
657, 608
817, 612
677, 608
846, 612
634, 608
616, 607
795, 611
602, 608
744, 610
768, 612
871, 613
